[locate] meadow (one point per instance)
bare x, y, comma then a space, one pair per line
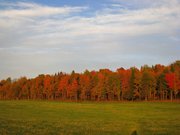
89, 118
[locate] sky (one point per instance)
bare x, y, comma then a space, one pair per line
46, 37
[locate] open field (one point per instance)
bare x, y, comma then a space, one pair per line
58, 118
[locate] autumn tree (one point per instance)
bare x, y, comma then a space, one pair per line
124, 79
161, 86
85, 89
147, 83
63, 87
5, 88
47, 91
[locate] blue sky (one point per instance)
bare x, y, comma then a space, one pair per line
43, 36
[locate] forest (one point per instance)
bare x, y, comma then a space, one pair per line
157, 82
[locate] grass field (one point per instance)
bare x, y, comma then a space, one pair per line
63, 118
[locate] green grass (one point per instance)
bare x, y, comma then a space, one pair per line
63, 118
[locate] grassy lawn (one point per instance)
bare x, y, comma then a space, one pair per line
63, 118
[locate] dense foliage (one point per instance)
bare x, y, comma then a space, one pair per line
147, 83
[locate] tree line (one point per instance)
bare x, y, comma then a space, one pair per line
158, 82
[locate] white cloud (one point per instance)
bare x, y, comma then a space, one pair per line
33, 35
135, 22
36, 10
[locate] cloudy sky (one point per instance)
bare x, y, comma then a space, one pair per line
44, 36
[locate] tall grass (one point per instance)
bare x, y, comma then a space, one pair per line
66, 118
